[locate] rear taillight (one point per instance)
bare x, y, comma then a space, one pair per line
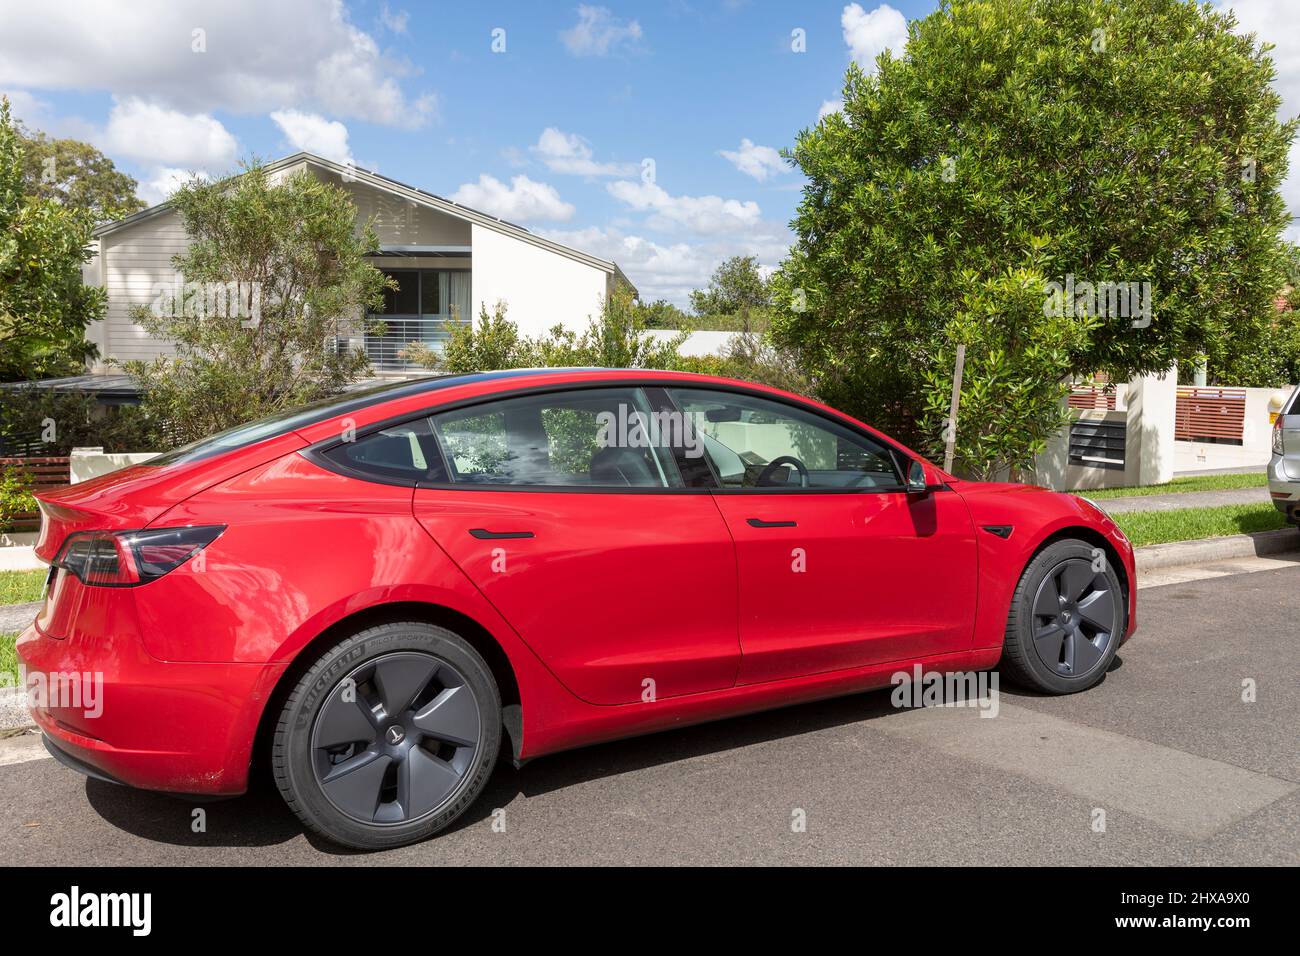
118, 559
1277, 435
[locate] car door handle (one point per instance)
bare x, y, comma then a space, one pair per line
760, 523
484, 534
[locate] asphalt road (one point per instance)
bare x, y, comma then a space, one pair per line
1185, 771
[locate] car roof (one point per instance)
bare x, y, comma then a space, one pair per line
389, 402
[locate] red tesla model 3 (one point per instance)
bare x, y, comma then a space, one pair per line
367, 593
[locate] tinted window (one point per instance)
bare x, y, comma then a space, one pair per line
598, 437
743, 438
404, 453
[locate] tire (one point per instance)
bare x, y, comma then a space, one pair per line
1077, 640
403, 716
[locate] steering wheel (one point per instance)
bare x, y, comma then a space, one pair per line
782, 462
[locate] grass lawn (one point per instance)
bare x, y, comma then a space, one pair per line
1191, 483
19, 587
8, 660
1161, 527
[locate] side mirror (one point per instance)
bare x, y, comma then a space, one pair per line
917, 479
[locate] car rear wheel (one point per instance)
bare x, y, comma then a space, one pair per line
389, 736
1067, 619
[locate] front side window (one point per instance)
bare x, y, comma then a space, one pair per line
753, 442
595, 438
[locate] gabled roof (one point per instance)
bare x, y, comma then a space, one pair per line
409, 193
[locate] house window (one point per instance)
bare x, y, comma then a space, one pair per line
420, 309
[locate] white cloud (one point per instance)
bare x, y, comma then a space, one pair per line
394, 20
314, 134
570, 153
828, 107
756, 161
598, 32
164, 181
166, 137
523, 200
255, 56
1271, 21
671, 270
32, 110
869, 34
701, 214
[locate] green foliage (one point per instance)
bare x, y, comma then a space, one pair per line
15, 496
62, 421
291, 253
737, 286
1012, 146
751, 357
662, 314
20, 587
1178, 486
1012, 399
1269, 360
617, 338
76, 174
1185, 524
44, 308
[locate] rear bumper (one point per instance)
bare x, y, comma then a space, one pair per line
1283, 489
112, 711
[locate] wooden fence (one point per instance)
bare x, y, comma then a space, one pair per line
43, 474
1092, 396
1210, 414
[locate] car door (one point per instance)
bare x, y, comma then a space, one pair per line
839, 567
584, 538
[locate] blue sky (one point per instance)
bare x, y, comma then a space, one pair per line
552, 132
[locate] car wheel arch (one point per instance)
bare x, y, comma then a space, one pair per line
1089, 536
461, 624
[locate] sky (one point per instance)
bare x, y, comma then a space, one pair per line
646, 133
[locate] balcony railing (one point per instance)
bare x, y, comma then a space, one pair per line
385, 351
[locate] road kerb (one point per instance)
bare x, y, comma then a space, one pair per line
1183, 553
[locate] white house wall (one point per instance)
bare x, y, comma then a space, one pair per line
541, 289
132, 264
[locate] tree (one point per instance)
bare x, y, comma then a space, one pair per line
1019, 143
275, 281
616, 338
736, 286
76, 174
44, 308
662, 314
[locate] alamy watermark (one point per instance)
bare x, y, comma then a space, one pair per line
1073, 297
632, 428
208, 300
919, 688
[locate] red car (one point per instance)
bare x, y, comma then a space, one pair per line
366, 593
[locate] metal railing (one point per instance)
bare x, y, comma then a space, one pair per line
387, 352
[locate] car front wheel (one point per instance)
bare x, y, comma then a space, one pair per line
1067, 619
389, 736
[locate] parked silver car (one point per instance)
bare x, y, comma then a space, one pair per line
1284, 466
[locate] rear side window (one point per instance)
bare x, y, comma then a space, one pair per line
404, 454
595, 437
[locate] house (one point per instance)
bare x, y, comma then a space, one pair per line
448, 260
